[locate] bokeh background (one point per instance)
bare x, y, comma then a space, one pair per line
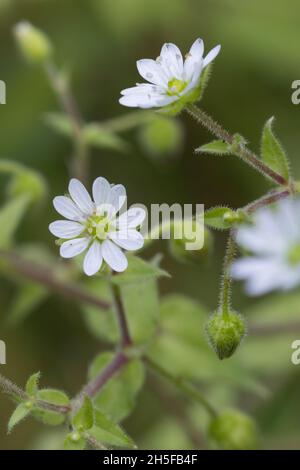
98, 41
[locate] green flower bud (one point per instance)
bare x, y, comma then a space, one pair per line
178, 248
225, 332
33, 43
233, 430
162, 137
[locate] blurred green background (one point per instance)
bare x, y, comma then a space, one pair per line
98, 41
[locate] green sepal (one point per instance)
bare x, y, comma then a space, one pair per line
222, 218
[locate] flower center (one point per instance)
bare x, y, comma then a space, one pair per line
294, 255
176, 86
98, 226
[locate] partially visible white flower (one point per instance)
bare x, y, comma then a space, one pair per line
274, 243
170, 77
94, 225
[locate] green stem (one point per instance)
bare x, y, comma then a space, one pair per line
241, 151
68, 104
185, 387
225, 291
125, 338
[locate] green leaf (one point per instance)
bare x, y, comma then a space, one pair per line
219, 218
11, 215
99, 137
84, 418
272, 151
117, 397
101, 323
55, 397
138, 270
24, 180
27, 299
74, 441
110, 433
18, 415
141, 305
217, 147
32, 384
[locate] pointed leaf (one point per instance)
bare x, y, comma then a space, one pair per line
18, 415
217, 147
110, 433
10, 216
138, 270
272, 151
99, 137
84, 418
32, 384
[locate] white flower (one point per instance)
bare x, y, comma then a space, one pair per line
170, 77
94, 225
274, 242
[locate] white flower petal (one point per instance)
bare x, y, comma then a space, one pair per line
152, 71
101, 190
128, 239
93, 259
80, 196
114, 256
146, 100
74, 247
193, 62
171, 59
67, 208
211, 55
66, 229
132, 218
116, 199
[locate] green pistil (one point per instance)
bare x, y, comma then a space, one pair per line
176, 86
98, 227
294, 255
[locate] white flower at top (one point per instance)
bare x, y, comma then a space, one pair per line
170, 77
273, 244
94, 225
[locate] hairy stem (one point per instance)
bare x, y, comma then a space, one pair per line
226, 277
185, 387
241, 151
68, 104
47, 278
266, 200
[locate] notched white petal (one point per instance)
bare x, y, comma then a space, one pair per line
101, 190
80, 196
93, 259
129, 239
66, 229
67, 208
211, 55
114, 256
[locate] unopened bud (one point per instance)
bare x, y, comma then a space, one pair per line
33, 43
233, 430
225, 332
162, 137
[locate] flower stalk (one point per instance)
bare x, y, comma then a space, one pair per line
240, 150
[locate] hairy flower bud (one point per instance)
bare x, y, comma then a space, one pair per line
33, 43
233, 430
225, 332
162, 137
